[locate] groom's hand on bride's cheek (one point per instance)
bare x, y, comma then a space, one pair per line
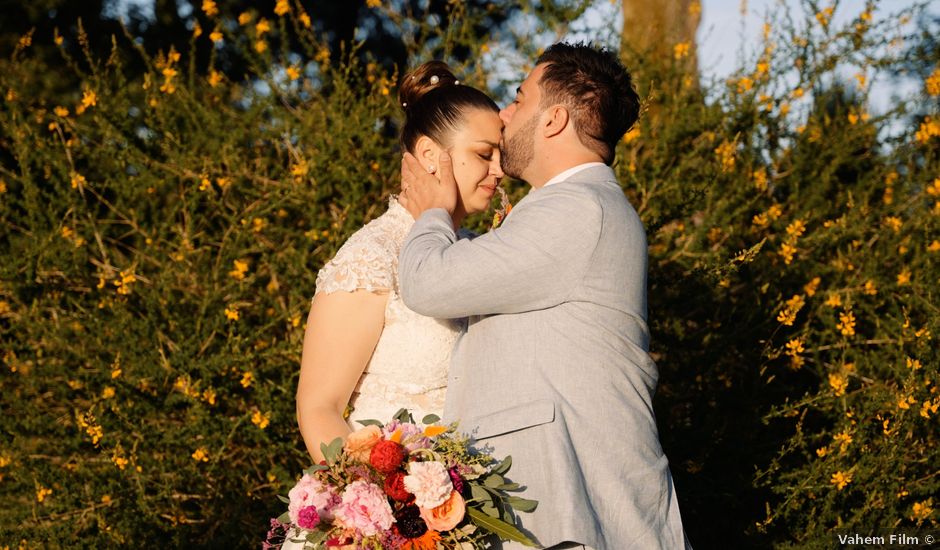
424, 190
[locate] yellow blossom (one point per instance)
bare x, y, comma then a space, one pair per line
725, 153
929, 128
922, 511
861, 79
795, 346
822, 451
870, 289
823, 16
89, 98
261, 46
834, 300
262, 26
214, 78
840, 480
775, 211
760, 179
927, 408
844, 438
787, 251
933, 188
374, 3
905, 402
119, 460
205, 184
107, 392
913, 364
810, 287
42, 493
745, 84
838, 383
760, 220
894, 223
680, 50
305, 20
222, 182
934, 246
216, 36
210, 8
241, 267
231, 313
3, 186
846, 323
796, 228
933, 83
247, 379
695, 8
209, 396
257, 225
293, 72
281, 7
244, 18
61, 111
798, 93
632, 134
904, 277
260, 419
201, 455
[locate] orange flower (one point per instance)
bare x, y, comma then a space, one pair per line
446, 516
427, 541
359, 443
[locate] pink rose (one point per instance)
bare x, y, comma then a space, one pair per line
359, 443
446, 516
429, 482
310, 491
365, 508
308, 517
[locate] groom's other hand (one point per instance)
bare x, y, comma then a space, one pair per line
423, 190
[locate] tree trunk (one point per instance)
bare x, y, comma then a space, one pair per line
655, 32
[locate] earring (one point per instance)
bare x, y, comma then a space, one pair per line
431, 169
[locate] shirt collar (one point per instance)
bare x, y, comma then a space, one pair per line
571, 171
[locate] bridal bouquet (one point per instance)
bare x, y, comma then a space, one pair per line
402, 486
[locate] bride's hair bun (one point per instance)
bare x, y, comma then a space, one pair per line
416, 84
435, 103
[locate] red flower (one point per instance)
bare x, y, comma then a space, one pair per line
387, 456
395, 486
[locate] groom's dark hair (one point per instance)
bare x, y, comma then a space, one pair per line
596, 89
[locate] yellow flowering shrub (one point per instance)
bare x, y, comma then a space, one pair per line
162, 235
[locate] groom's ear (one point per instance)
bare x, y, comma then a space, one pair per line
427, 152
556, 121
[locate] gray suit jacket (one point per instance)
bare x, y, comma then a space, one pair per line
553, 368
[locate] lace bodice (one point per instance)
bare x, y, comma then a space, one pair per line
409, 365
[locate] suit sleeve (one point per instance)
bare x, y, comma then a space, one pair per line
533, 261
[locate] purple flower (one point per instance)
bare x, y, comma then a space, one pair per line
412, 435
308, 518
456, 479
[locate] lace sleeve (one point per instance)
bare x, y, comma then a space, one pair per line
361, 264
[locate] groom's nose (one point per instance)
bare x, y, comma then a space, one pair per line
506, 113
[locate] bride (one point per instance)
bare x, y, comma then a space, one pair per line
363, 348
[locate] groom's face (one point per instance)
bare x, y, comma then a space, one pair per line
520, 120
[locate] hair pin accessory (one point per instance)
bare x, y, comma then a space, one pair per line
435, 79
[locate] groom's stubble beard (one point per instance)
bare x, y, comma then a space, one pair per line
518, 151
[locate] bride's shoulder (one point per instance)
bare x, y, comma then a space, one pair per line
366, 260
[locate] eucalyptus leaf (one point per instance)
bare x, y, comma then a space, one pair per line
283, 499
403, 416
316, 468
494, 480
520, 504
503, 466
500, 528
431, 419
480, 494
370, 422
509, 487
284, 518
332, 451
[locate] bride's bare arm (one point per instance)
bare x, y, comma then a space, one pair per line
342, 331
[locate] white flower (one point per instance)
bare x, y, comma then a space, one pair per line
429, 482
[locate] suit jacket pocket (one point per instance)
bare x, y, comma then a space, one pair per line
517, 417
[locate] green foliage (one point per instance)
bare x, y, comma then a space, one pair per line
160, 247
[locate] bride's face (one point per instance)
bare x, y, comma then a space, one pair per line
475, 154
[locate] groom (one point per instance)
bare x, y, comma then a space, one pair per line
553, 368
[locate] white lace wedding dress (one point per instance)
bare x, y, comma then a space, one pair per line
408, 368
409, 365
